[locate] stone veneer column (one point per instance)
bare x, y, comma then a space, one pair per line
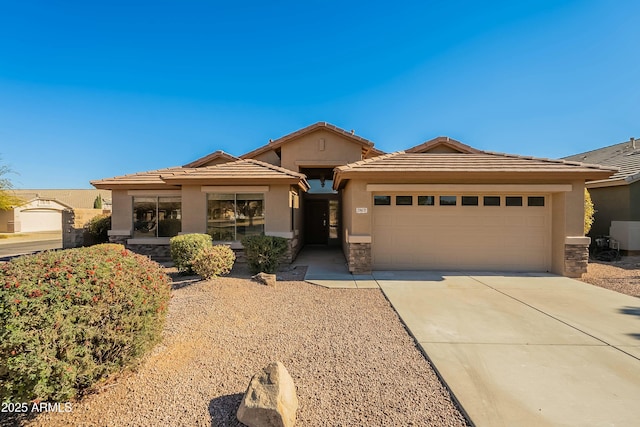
576, 256
360, 258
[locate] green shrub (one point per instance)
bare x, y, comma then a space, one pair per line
214, 261
69, 318
96, 230
264, 253
184, 249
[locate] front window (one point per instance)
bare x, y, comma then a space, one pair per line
157, 216
234, 216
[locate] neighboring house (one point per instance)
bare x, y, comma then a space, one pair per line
616, 199
42, 209
439, 205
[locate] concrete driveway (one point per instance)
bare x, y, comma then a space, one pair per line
526, 349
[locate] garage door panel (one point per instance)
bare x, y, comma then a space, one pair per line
457, 237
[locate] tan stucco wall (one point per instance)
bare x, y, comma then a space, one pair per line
122, 214
277, 210
558, 224
269, 157
194, 209
5, 218
575, 210
320, 148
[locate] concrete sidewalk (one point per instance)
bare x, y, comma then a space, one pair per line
328, 268
525, 349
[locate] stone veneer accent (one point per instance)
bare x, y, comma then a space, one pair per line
73, 222
359, 258
576, 259
163, 252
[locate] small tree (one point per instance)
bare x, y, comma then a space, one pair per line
589, 212
97, 203
7, 199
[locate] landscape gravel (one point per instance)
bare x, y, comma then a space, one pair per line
621, 276
351, 359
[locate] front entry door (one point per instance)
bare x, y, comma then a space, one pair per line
316, 222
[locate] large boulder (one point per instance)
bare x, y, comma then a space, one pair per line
270, 399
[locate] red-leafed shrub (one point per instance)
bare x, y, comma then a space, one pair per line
69, 318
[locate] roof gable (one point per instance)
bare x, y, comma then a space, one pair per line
367, 146
443, 144
215, 158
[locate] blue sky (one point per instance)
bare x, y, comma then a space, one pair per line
90, 90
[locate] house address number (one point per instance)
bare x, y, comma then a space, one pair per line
361, 210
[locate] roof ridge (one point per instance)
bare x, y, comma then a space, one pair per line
371, 160
274, 167
600, 149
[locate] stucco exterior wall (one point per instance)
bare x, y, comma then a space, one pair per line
122, 213
277, 210
611, 204
269, 157
194, 209
320, 148
7, 224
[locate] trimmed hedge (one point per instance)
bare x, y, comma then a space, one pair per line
214, 261
185, 247
69, 318
264, 253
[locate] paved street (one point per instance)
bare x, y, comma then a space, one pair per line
29, 243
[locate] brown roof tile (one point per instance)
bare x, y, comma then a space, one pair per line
483, 162
216, 155
240, 169
141, 178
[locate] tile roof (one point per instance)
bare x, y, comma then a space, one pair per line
240, 169
81, 199
140, 178
481, 162
247, 169
272, 145
623, 155
442, 141
216, 155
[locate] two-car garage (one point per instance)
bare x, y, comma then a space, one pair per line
461, 231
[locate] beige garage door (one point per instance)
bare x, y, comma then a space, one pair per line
470, 232
40, 220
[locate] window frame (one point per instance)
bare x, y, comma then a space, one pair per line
236, 216
156, 216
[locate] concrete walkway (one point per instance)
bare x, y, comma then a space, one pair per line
327, 267
526, 349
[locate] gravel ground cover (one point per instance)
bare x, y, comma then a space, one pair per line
351, 359
621, 276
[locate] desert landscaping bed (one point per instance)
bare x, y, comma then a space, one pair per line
350, 357
621, 276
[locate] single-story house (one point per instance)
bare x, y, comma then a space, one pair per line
439, 205
616, 199
42, 209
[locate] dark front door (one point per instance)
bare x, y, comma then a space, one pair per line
316, 222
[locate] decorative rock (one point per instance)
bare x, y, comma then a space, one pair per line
265, 279
270, 399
